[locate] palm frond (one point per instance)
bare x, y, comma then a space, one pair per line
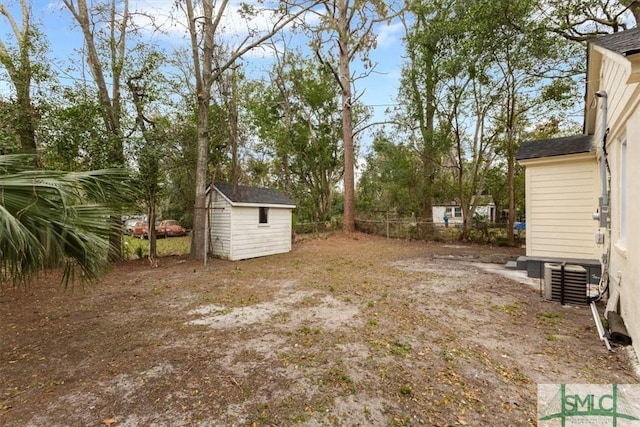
53, 218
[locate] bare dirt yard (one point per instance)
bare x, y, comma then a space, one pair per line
343, 331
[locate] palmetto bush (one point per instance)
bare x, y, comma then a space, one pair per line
55, 219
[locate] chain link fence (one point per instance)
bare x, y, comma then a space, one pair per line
413, 229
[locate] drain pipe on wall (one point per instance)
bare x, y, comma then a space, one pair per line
601, 332
603, 213
602, 216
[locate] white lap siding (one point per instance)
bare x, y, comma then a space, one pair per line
562, 195
220, 217
235, 229
251, 239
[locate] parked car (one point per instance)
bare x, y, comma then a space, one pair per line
165, 228
140, 230
129, 224
170, 228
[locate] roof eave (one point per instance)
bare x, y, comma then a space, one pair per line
558, 158
261, 205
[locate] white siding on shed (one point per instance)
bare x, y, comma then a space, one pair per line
561, 195
220, 226
235, 231
251, 239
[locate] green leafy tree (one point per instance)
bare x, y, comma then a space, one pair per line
17, 59
106, 54
346, 31
479, 72
179, 160
143, 85
533, 70
52, 218
391, 179
431, 36
204, 18
72, 131
298, 121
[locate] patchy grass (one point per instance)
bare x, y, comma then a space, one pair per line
514, 309
550, 319
139, 248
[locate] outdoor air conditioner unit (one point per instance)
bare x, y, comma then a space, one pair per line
566, 283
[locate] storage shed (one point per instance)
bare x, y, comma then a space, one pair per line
248, 222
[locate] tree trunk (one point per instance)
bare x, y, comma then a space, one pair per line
349, 220
511, 118
153, 247
206, 24
512, 206
200, 208
25, 125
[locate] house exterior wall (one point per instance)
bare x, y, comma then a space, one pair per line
624, 270
623, 121
561, 197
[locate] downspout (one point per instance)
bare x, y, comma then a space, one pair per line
603, 216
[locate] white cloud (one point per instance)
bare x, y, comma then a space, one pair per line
389, 35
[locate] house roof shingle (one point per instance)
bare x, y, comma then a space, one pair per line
575, 144
257, 195
624, 42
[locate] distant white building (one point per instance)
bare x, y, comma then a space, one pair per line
454, 213
248, 222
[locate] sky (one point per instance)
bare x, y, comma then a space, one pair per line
378, 90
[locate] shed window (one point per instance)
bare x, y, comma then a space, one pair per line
264, 216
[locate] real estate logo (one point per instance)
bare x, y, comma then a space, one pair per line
566, 405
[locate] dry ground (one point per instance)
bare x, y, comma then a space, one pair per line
345, 331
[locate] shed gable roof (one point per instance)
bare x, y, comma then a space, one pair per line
535, 149
254, 195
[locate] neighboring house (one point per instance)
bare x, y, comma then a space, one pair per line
454, 213
606, 167
248, 222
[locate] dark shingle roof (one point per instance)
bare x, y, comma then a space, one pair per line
623, 42
555, 147
257, 195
